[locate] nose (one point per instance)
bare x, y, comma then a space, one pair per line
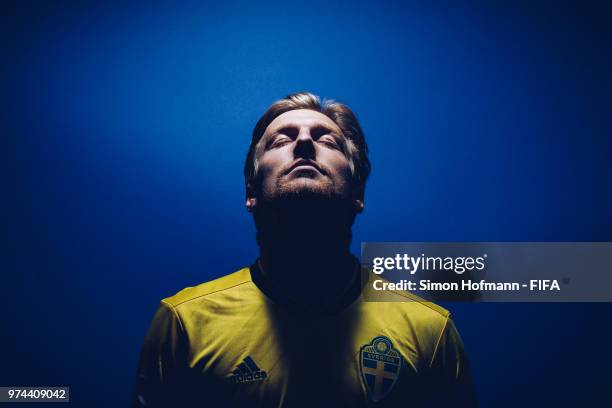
304, 145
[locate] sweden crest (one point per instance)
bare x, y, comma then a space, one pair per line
380, 365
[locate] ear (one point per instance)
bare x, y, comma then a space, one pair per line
358, 205
250, 204
251, 200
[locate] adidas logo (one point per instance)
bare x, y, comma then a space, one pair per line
247, 372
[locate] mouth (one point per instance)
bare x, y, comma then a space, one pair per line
305, 165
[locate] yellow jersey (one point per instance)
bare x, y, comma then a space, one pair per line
234, 342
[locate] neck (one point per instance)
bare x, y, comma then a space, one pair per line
305, 249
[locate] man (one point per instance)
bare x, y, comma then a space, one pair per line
292, 329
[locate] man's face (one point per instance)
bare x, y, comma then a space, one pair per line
303, 153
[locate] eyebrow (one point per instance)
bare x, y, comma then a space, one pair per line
292, 128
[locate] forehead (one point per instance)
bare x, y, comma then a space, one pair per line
302, 118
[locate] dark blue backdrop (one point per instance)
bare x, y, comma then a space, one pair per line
127, 128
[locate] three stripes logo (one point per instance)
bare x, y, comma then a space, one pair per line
247, 372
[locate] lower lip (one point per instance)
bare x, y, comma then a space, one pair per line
305, 168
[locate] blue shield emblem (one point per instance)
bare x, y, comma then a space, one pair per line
380, 365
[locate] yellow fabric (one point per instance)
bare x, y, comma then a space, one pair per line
200, 336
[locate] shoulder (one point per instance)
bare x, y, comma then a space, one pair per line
417, 304
418, 321
400, 300
207, 289
405, 309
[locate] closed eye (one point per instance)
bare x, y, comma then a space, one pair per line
329, 140
324, 135
282, 136
321, 134
279, 140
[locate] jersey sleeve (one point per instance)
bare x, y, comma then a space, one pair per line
451, 384
162, 359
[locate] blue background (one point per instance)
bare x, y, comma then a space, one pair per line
127, 128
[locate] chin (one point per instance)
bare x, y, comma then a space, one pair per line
306, 188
